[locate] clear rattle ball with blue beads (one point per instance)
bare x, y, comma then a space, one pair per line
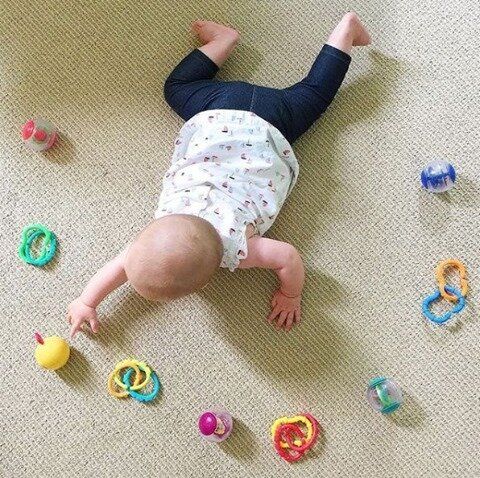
384, 395
438, 176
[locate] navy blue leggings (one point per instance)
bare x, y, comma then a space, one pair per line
192, 88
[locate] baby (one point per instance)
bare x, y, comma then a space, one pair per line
232, 169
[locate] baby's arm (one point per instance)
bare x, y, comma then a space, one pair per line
106, 280
284, 259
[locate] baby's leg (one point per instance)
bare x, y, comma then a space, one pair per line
191, 87
308, 99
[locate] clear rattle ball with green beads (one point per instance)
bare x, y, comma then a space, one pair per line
384, 395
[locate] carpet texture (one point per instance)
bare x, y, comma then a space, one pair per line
369, 236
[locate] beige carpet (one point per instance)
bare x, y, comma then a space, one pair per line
369, 236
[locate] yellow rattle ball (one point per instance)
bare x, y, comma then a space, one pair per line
51, 352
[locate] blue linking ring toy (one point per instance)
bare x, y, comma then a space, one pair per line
142, 397
439, 320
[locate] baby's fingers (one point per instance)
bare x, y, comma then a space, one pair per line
281, 319
298, 316
274, 313
289, 322
76, 326
94, 325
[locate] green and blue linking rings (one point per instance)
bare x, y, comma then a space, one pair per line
48, 248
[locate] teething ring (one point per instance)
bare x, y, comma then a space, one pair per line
131, 363
291, 441
440, 276
308, 443
289, 435
48, 248
293, 420
142, 397
112, 387
315, 431
286, 453
459, 306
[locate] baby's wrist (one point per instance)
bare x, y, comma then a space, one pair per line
290, 295
87, 303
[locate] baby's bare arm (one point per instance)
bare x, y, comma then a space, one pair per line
285, 260
106, 280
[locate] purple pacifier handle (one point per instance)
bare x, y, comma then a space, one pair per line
207, 423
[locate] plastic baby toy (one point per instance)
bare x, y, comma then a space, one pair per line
215, 425
438, 176
384, 395
39, 134
294, 436
51, 353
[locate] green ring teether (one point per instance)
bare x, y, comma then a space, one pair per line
49, 245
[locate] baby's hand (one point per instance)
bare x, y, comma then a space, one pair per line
286, 310
78, 313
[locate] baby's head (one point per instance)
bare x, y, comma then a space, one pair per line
173, 256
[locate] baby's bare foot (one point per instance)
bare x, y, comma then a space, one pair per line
361, 37
349, 33
218, 40
210, 31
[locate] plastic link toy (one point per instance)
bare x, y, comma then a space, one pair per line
448, 292
142, 397
442, 267
442, 319
120, 384
120, 392
293, 437
131, 363
49, 245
